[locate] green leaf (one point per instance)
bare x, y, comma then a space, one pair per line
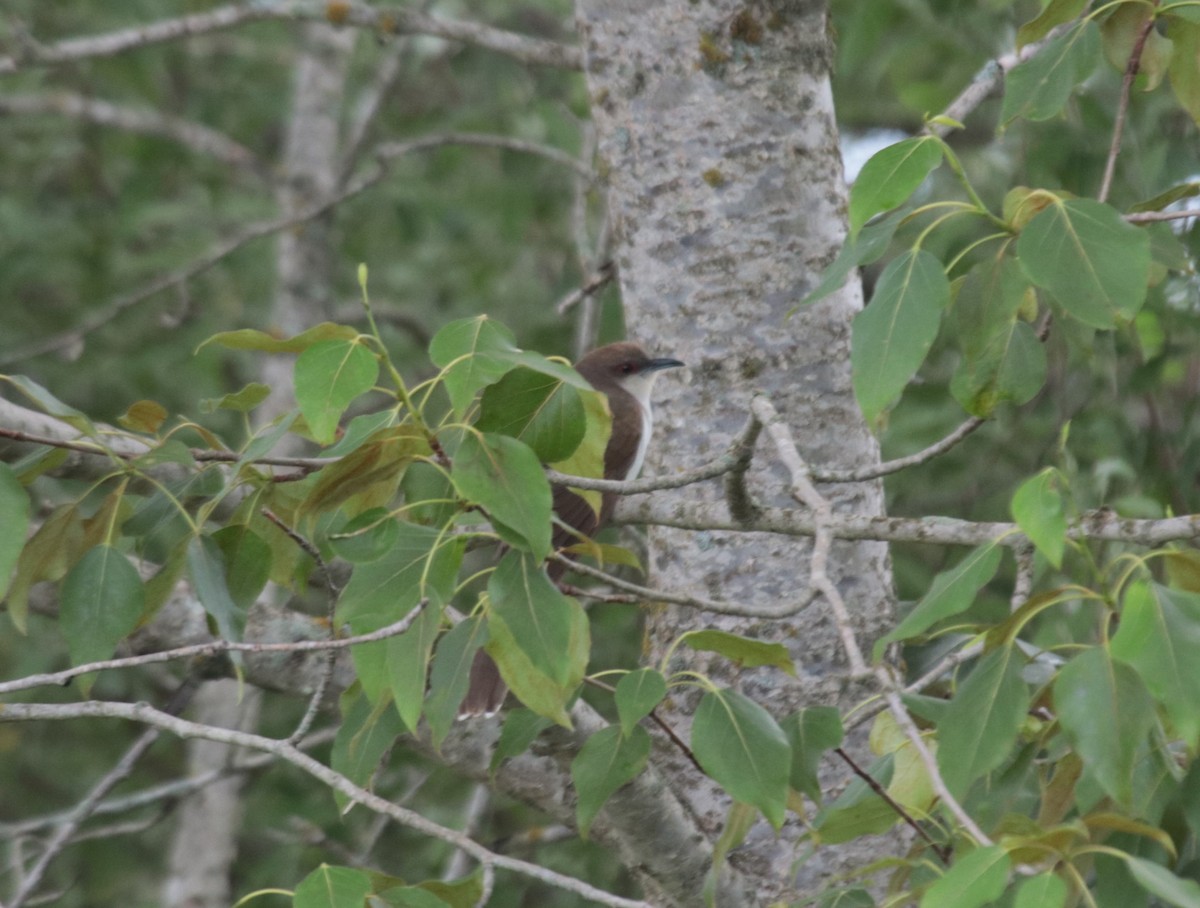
740, 745
48, 403
386, 589
1046, 890
247, 561
1040, 512
1159, 881
1038, 88
206, 567
408, 664
746, 652
414, 897
891, 176
249, 339
329, 376
1094, 263
46, 556
858, 810
1183, 69
951, 592
243, 401
1125, 32
101, 602
893, 334
529, 684
607, 760
521, 728
332, 887
366, 734
466, 351
369, 474
637, 694
588, 457
980, 726
422, 563
466, 892
369, 536
143, 416
974, 880
866, 247
540, 617
1106, 712
1055, 13
811, 732
846, 898
1159, 636
450, 675
544, 412
14, 505
506, 478
1002, 359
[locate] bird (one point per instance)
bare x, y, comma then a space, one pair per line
624, 372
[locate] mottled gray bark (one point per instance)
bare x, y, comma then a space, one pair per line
718, 139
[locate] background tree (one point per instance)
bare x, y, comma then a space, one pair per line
1038, 278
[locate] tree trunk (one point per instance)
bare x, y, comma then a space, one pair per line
718, 138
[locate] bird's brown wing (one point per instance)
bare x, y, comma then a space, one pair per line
576, 513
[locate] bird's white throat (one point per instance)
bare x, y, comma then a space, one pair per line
640, 386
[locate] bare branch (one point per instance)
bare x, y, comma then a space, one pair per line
165, 792
1131, 70
284, 750
1103, 525
647, 594
209, 649
806, 493
194, 136
1147, 217
389, 20
875, 471
909, 727
88, 804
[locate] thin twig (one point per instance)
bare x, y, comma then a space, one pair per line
389, 20
1131, 70
1147, 217
208, 649
806, 493
195, 137
335, 592
875, 471
803, 491
148, 715
88, 804
904, 720
942, 851
648, 594
951, 661
165, 792
600, 279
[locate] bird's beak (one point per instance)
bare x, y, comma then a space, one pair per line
665, 362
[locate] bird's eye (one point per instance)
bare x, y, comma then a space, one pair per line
627, 368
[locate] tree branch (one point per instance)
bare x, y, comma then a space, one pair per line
194, 136
209, 649
146, 714
389, 20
